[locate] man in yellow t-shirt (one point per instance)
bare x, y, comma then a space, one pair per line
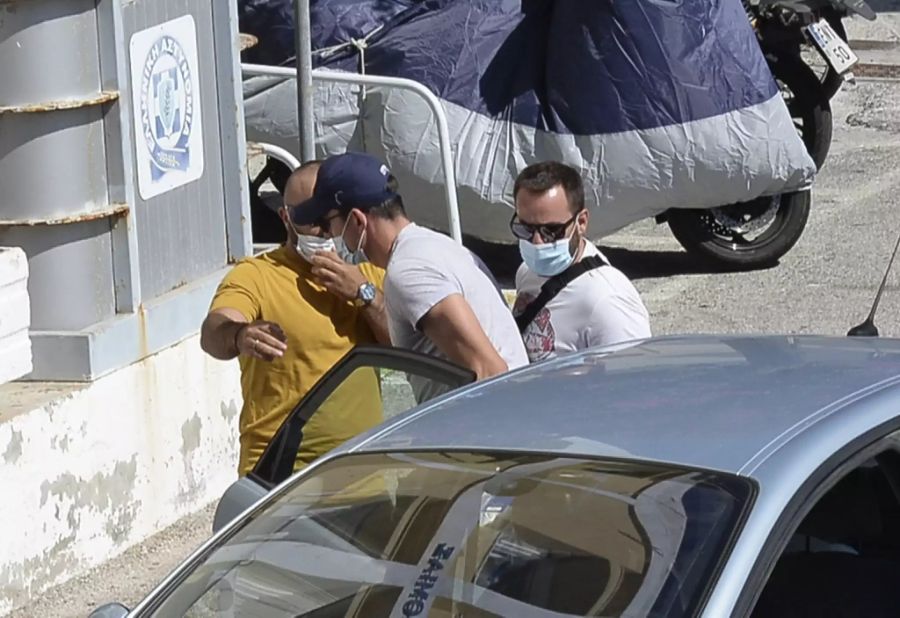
289, 315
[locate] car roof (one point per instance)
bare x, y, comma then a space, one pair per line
717, 402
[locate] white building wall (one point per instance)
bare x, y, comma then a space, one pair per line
96, 468
15, 315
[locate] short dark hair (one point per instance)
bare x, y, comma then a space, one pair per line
391, 208
541, 177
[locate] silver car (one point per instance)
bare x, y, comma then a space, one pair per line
691, 476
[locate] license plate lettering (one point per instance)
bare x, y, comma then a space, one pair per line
832, 48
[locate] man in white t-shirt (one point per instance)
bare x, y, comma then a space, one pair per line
438, 300
598, 307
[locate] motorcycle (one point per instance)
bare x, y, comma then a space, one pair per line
757, 233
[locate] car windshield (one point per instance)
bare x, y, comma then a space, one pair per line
473, 534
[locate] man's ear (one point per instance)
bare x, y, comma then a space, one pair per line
360, 217
584, 217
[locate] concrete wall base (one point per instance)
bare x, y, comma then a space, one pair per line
88, 470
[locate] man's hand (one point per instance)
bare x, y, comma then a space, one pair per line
338, 277
261, 339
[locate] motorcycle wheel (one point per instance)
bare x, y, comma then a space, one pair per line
265, 224
743, 236
723, 235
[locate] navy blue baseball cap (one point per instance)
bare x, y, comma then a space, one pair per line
344, 182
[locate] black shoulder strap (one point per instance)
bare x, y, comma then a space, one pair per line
554, 285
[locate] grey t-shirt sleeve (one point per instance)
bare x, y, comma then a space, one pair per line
415, 287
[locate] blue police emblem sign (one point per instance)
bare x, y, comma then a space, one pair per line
166, 101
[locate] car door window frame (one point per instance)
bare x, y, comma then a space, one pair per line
277, 461
863, 448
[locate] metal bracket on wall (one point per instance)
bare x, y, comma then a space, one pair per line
112, 210
53, 106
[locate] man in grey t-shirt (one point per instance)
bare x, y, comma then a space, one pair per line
437, 298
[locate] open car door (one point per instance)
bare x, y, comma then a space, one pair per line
404, 379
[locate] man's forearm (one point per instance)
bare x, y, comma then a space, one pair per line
455, 331
376, 317
218, 336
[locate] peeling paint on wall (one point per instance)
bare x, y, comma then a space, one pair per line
96, 473
13, 448
60, 443
230, 410
101, 491
52, 563
190, 435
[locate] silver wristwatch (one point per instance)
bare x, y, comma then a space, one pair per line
365, 295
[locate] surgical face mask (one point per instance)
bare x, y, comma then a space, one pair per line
548, 259
344, 252
308, 245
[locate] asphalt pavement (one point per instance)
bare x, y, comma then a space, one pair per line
825, 285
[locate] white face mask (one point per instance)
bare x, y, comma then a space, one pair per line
344, 252
308, 245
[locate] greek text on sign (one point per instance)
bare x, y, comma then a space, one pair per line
165, 89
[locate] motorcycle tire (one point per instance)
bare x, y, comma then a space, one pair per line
697, 231
809, 104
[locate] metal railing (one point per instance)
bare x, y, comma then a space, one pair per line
433, 102
276, 152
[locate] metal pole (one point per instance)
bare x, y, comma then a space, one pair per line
303, 47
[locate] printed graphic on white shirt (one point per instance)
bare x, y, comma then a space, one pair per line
539, 336
601, 307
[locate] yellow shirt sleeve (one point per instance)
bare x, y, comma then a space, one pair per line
373, 274
240, 291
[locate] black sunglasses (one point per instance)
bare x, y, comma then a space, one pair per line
325, 222
549, 232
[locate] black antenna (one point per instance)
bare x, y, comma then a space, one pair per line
868, 328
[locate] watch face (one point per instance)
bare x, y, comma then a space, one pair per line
367, 292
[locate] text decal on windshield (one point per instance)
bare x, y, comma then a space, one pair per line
417, 599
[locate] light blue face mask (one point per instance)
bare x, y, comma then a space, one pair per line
548, 259
351, 257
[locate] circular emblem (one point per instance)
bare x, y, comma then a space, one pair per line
167, 106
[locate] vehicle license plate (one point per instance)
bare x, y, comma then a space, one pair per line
832, 47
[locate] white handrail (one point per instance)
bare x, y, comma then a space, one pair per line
282, 154
433, 102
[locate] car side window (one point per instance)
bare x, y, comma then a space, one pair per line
367, 386
844, 556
